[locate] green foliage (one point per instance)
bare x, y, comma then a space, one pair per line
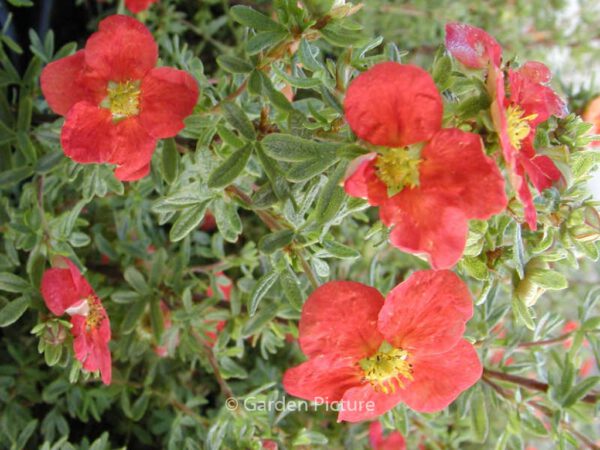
264, 154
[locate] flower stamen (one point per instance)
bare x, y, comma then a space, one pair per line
95, 315
398, 168
388, 369
517, 125
123, 99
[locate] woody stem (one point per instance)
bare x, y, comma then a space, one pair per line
533, 385
552, 341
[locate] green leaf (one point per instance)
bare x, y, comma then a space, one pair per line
136, 280
272, 242
522, 313
475, 268
233, 64
259, 320
548, 279
291, 289
238, 120
308, 169
12, 283
156, 319
251, 18
26, 433
10, 178
580, 390
229, 170
228, 220
188, 220
479, 416
132, 316
518, 252
264, 40
289, 148
13, 311
332, 197
261, 288
340, 250
306, 438
170, 160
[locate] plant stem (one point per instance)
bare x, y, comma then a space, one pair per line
530, 384
552, 341
541, 408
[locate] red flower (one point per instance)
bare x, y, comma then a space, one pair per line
592, 115
136, 6
381, 352
66, 290
427, 180
393, 441
115, 102
517, 115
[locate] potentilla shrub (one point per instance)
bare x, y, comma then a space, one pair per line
236, 227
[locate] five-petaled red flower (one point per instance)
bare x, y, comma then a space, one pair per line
367, 354
116, 103
66, 290
428, 181
136, 6
520, 102
393, 441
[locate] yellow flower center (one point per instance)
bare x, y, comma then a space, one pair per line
517, 125
123, 99
95, 315
398, 168
387, 368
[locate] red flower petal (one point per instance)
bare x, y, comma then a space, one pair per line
324, 378
91, 347
122, 49
133, 150
68, 81
323, 329
454, 162
533, 97
88, 134
472, 46
393, 105
136, 6
167, 97
63, 288
536, 72
427, 222
393, 441
440, 379
540, 169
364, 183
364, 403
427, 313
495, 84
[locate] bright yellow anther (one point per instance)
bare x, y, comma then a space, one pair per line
387, 368
94, 317
398, 168
123, 99
517, 125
